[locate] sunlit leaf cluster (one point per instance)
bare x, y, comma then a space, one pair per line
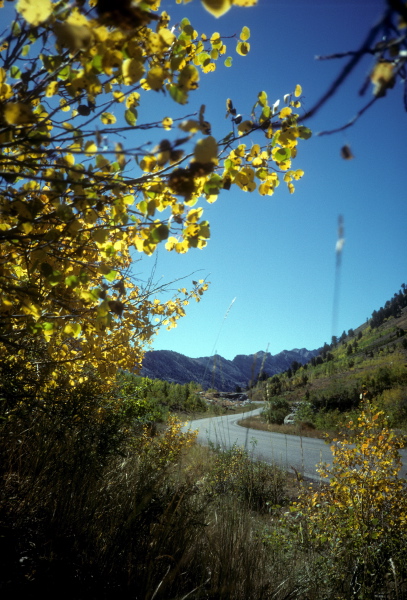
258, 165
79, 200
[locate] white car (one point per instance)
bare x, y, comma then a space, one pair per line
289, 419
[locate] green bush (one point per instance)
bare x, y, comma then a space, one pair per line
275, 411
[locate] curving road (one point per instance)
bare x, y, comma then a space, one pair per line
287, 451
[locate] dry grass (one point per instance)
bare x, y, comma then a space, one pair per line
302, 429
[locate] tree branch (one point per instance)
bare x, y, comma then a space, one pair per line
349, 67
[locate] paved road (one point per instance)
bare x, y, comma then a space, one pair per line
288, 451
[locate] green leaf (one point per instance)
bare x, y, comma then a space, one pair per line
159, 233
53, 276
73, 329
97, 63
214, 185
282, 154
15, 72
111, 276
204, 230
262, 98
228, 61
71, 281
15, 29
131, 116
64, 73
178, 94
204, 58
304, 133
265, 114
142, 206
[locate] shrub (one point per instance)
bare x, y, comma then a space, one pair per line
256, 485
84, 486
275, 411
305, 412
358, 521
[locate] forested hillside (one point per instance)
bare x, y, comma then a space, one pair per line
370, 360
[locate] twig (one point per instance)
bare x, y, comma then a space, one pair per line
348, 68
352, 121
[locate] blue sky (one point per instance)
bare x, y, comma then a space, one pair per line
276, 255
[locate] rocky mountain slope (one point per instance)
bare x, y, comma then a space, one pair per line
218, 372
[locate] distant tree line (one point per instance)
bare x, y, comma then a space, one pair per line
159, 398
392, 308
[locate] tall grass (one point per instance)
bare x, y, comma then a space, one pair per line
93, 505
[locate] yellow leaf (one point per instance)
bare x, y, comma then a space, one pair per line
245, 34
34, 12
182, 247
167, 37
18, 113
209, 68
148, 163
69, 159
156, 77
190, 125
285, 112
64, 105
27, 227
6, 91
217, 8
167, 123
132, 70
382, 77
194, 214
31, 309
243, 48
90, 147
73, 329
52, 88
133, 100
298, 91
119, 96
245, 127
107, 118
188, 78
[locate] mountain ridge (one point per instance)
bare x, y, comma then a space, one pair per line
218, 372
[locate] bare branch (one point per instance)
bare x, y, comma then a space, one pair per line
349, 67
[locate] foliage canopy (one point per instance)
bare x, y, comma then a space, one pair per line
78, 205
